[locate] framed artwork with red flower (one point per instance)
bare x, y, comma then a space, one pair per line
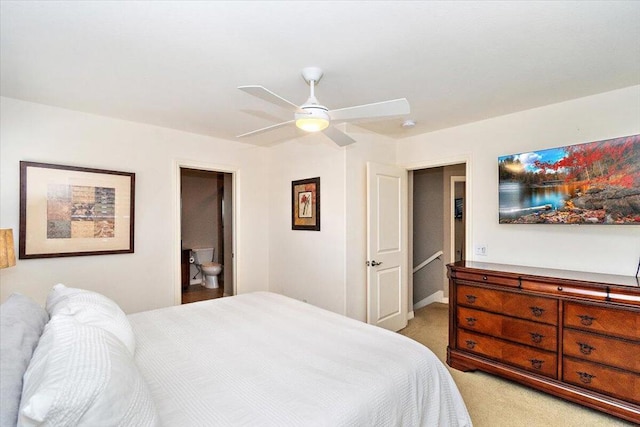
305, 204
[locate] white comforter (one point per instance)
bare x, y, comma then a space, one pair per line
263, 359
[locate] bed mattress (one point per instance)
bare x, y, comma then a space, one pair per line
263, 359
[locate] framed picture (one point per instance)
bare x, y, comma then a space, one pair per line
305, 204
459, 208
73, 211
592, 183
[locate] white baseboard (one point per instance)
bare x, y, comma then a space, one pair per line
410, 315
435, 297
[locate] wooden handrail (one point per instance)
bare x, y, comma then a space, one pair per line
427, 261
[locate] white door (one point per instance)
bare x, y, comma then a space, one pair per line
387, 246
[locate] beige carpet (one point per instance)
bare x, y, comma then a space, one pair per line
492, 401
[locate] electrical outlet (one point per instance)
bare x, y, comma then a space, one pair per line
481, 250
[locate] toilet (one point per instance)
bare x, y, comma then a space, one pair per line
209, 269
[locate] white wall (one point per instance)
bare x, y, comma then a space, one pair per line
149, 277
308, 265
325, 268
607, 249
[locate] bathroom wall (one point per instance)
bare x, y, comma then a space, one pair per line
202, 194
227, 260
201, 210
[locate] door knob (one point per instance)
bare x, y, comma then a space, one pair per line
374, 263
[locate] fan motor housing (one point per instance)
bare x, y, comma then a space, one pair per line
313, 111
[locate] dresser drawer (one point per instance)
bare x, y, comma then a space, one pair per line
531, 359
509, 303
610, 321
509, 328
596, 348
487, 278
614, 382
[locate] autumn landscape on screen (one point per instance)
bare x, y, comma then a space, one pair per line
591, 183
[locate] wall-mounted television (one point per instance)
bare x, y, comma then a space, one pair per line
591, 183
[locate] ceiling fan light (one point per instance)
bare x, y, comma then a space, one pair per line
313, 118
312, 124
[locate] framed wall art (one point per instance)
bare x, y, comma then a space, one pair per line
74, 211
305, 204
591, 183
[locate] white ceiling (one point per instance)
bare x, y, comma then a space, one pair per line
177, 64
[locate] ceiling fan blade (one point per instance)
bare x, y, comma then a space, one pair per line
268, 128
395, 107
338, 136
264, 93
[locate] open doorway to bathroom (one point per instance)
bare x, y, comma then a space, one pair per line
206, 234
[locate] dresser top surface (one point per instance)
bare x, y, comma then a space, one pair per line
522, 270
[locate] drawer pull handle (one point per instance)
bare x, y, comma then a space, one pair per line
585, 377
535, 337
484, 277
536, 363
470, 344
586, 320
471, 298
471, 321
585, 348
537, 311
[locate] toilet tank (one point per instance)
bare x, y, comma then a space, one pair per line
203, 255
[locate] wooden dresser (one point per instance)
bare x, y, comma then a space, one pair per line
572, 334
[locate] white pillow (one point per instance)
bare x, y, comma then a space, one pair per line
82, 375
91, 308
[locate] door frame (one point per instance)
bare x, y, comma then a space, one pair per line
178, 164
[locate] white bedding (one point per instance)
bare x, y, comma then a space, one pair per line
263, 359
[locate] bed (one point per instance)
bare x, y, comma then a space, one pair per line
258, 359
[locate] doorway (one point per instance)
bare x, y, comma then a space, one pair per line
438, 231
206, 234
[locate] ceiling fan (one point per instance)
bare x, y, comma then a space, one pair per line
314, 117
